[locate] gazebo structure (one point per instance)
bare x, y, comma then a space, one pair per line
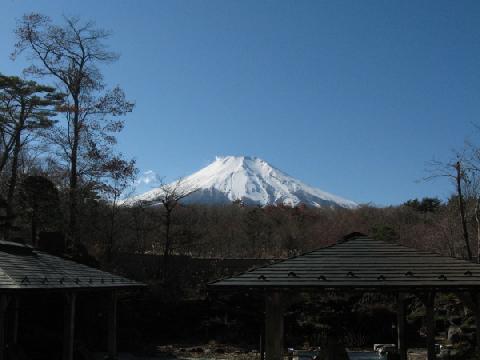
360, 263
25, 271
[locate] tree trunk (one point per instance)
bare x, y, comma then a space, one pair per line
5, 154
166, 250
13, 175
34, 223
461, 205
111, 235
74, 179
139, 238
477, 219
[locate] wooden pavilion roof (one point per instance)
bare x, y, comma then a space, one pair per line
361, 263
24, 268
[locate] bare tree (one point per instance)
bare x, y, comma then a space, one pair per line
455, 171
140, 214
472, 167
473, 194
170, 197
71, 54
120, 174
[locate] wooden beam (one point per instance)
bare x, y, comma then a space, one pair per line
3, 311
430, 324
112, 327
274, 326
69, 325
401, 340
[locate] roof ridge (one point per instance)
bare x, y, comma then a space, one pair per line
395, 243
266, 265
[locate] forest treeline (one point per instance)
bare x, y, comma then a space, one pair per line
237, 231
60, 174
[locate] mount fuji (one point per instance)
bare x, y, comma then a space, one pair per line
250, 180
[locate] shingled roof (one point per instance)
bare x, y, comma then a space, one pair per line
24, 268
361, 263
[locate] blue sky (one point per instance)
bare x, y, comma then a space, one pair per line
353, 97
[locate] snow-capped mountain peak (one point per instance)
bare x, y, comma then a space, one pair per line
251, 180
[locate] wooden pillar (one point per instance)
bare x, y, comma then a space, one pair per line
16, 308
401, 340
69, 325
262, 346
112, 327
475, 307
3, 312
430, 325
262, 339
274, 326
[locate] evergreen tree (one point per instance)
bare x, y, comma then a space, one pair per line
41, 203
27, 108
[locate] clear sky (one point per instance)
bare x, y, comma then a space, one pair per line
353, 97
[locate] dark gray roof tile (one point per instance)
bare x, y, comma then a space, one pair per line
361, 263
35, 270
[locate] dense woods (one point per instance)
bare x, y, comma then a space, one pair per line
274, 231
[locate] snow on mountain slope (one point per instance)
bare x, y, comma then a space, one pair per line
251, 180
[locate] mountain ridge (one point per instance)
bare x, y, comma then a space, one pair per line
251, 180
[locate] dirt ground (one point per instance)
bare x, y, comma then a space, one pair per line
218, 352
223, 352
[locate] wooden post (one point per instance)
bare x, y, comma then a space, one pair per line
475, 307
274, 326
262, 346
401, 341
112, 327
430, 324
16, 307
3, 311
69, 326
